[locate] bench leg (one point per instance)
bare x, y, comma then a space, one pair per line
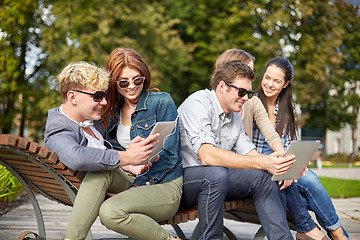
34, 202
260, 234
196, 233
229, 234
178, 231
89, 236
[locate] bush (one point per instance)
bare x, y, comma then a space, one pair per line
341, 158
10, 187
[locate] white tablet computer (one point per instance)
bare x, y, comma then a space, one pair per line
303, 151
165, 129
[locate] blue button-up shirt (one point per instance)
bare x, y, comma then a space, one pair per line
202, 120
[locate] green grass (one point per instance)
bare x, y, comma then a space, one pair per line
339, 166
334, 165
341, 188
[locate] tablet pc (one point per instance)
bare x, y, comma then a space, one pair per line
303, 150
165, 129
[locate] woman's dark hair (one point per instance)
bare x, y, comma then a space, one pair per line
285, 119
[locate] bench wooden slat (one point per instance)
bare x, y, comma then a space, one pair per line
8, 140
47, 185
18, 160
22, 143
23, 167
31, 147
8, 155
40, 152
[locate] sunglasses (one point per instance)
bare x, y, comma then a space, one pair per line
125, 83
98, 96
242, 92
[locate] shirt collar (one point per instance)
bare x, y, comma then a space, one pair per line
218, 109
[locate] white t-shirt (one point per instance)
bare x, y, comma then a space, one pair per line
92, 142
123, 134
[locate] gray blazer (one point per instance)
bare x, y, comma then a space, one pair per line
68, 140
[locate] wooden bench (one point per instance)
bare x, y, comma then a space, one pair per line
40, 171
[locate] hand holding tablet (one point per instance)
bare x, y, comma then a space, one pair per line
303, 151
165, 130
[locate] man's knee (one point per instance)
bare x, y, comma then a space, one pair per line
262, 180
217, 179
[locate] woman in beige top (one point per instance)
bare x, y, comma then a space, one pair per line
254, 112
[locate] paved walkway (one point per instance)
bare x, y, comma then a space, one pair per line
56, 216
344, 173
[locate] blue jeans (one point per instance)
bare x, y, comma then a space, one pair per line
317, 200
207, 187
291, 198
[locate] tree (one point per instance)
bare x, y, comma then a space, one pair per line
180, 40
322, 60
21, 63
348, 18
262, 28
321, 86
89, 31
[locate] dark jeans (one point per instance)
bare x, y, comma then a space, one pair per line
207, 187
291, 198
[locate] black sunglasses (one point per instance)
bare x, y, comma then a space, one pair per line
242, 92
98, 96
137, 81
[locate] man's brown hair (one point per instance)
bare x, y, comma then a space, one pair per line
231, 71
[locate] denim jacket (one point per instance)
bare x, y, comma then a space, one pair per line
152, 107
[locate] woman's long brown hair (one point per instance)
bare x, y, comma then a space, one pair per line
118, 60
285, 119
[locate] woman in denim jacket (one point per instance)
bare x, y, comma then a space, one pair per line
132, 111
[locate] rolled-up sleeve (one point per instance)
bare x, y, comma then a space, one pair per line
243, 145
195, 121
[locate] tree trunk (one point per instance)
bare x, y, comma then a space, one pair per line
8, 115
353, 137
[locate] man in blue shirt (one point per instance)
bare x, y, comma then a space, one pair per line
221, 163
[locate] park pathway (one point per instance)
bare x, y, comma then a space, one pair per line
56, 217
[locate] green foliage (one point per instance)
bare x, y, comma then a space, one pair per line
10, 187
180, 40
22, 70
341, 188
215, 26
83, 32
327, 85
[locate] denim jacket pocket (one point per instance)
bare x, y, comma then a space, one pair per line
145, 127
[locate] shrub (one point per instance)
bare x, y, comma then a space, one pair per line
10, 187
341, 158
